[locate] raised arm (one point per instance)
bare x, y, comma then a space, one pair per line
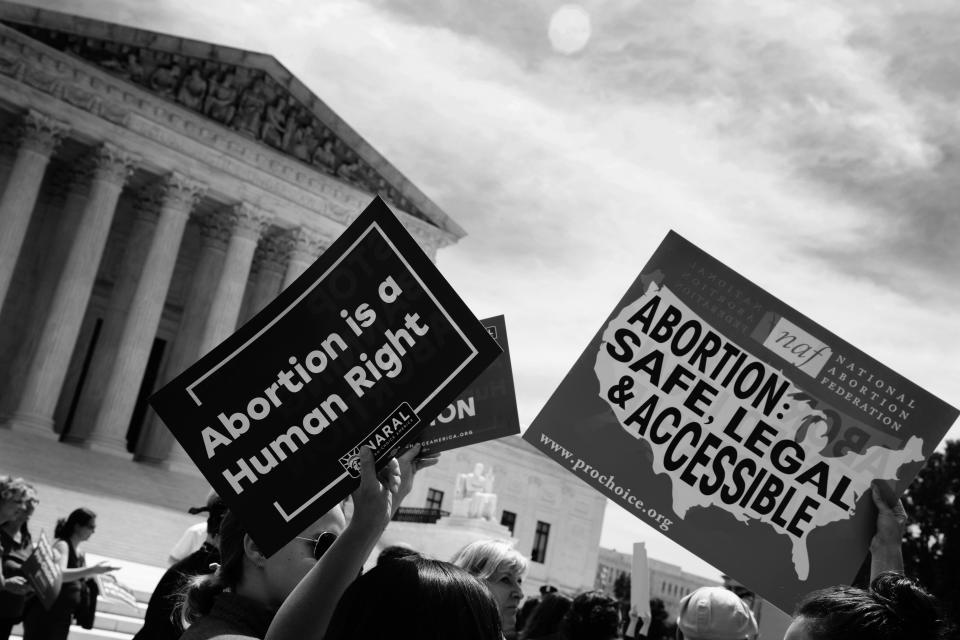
886, 553
308, 609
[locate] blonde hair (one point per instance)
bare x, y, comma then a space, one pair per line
484, 558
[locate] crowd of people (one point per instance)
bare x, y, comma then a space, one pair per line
314, 588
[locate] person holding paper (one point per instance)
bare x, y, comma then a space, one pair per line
40, 624
15, 540
894, 607
293, 593
15, 497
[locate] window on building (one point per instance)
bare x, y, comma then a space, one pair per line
434, 499
509, 520
540, 536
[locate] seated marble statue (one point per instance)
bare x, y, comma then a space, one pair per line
474, 497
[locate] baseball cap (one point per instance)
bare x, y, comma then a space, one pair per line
715, 613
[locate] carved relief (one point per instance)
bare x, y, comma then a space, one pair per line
111, 164
273, 250
39, 133
245, 100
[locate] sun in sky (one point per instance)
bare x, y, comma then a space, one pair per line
569, 29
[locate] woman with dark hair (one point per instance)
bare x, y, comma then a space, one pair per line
293, 592
415, 598
40, 624
593, 615
544, 622
895, 608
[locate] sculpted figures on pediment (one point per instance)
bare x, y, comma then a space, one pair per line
193, 89
219, 104
245, 99
273, 131
250, 108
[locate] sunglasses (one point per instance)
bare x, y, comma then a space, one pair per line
320, 543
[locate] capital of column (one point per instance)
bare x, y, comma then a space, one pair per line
174, 191
247, 220
111, 164
40, 133
273, 251
216, 227
309, 242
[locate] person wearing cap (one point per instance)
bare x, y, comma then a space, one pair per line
195, 535
159, 623
715, 613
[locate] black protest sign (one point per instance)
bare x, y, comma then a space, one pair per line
486, 410
363, 349
43, 573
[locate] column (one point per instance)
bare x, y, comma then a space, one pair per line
269, 265
246, 222
48, 367
78, 186
135, 246
175, 198
308, 244
38, 138
156, 440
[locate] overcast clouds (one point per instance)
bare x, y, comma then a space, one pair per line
812, 146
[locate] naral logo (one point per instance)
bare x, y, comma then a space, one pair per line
351, 462
383, 438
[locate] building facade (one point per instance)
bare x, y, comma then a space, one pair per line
668, 581
554, 518
156, 192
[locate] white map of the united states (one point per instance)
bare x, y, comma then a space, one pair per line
861, 468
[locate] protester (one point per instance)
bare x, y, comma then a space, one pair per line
715, 613
159, 623
293, 593
415, 598
195, 535
397, 552
895, 606
40, 624
593, 615
544, 622
15, 496
15, 540
502, 568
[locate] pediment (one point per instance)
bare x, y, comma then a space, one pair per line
247, 92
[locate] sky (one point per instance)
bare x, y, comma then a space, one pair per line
812, 146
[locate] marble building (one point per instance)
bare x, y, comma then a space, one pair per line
155, 192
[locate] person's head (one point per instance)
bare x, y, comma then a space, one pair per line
895, 607
419, 599
78, 526
215, 508
501, 567
547, 615
16, 496
247, 571
593, 615
715, 613
397, 552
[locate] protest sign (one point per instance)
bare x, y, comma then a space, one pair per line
741, 429
43, 572
363, 349
486, 410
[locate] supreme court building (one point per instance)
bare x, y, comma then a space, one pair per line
156, 193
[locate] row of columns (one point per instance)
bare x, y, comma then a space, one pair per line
231, 237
